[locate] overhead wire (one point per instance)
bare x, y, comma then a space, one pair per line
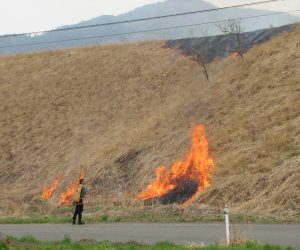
145, 31
141, 19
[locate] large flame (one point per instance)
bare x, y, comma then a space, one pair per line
65, 197
47, 192
196, 168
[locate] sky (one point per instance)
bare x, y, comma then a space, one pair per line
17, 16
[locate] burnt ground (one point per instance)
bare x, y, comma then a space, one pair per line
219, 46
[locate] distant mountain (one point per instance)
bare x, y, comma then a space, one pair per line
107, 34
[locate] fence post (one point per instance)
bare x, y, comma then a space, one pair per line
226, 213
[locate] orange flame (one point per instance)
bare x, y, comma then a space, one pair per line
47, 192
197, 167
235, 54
163, 46
65, 197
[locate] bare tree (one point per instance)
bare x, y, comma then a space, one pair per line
200, 56
271, 30
233, 28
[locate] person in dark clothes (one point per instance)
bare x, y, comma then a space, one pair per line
78, 200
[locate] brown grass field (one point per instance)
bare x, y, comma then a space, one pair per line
120, 111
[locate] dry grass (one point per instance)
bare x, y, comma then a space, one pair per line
120, 111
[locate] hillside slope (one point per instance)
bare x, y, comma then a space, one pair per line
119, 112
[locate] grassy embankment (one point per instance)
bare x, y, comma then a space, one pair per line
121, 111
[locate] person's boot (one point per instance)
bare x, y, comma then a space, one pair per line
74, 221
79, 221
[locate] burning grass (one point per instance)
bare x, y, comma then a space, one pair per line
186, 178
65, 197
47, 192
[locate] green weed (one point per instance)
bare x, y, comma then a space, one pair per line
29, 242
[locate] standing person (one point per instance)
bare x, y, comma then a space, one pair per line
78, 200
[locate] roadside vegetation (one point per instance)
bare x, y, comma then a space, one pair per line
28, 242
142, 217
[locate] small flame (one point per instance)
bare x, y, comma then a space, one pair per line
65, 197
235, 54
196, 168
163, 46
47, 192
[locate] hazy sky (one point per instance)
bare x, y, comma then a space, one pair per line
33, 15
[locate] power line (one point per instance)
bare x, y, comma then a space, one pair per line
141, 19
145, 31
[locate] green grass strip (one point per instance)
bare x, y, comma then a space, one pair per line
28, 242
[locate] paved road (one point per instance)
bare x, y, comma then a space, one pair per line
152, 232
